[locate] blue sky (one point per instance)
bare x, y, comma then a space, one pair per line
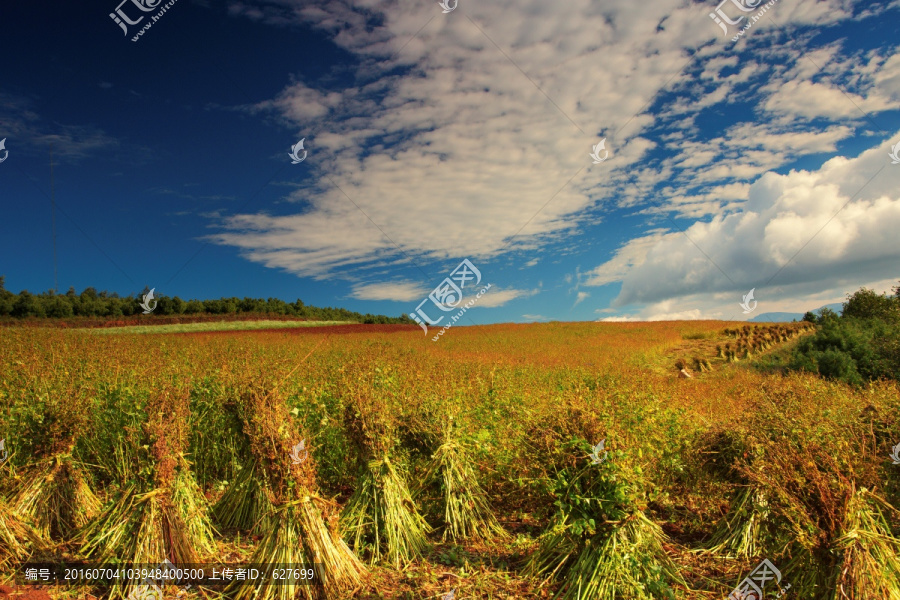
434, 137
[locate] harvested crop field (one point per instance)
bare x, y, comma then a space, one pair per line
359, 328
509, 461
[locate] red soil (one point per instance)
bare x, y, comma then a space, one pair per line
22, 593
324, 329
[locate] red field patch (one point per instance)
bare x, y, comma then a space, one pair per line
329, 329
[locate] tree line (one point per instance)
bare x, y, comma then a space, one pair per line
91, 303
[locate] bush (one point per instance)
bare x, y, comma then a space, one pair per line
863, 344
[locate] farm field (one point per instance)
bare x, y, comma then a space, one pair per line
215, 326
467, 468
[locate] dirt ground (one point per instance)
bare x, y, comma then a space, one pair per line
22, 593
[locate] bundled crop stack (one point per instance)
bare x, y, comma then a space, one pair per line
601, 544
160, 513
467, 514
750, 527
278, 496
870, 565
52, 492
380, 515
808, 509
17, 538
739, 533
835, 536
56, 497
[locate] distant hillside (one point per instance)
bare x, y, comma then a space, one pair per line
786, 317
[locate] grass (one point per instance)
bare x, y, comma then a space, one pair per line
212, 326
704, 476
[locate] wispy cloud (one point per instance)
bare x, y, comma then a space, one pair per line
497, 296
397, 291
535, 318
26, 130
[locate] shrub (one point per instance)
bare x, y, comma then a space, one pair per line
862, 344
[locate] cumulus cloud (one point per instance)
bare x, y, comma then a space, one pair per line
535, 318
685, 315
627, 257
797, 233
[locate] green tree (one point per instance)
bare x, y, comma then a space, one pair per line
193, 307
27, 305
866, 304
59, 307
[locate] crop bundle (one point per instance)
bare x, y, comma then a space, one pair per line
17, 538
467, 513
380, 515
160, 514
601, 544
278, 496
52, 490
56, 497
744, 531
739, 534
834, 541
870, 564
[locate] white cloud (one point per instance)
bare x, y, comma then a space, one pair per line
463, 155
811, 231
627, 257
811, 100
396, 291
495, 296
24, 129
686, 315
535, 318
461, 145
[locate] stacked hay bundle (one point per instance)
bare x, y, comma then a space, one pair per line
380, 517
53, 490
56, 497
741, 532
17, 538
278, 497
870, 552
809, 509
467, 513
601, 544
159, 513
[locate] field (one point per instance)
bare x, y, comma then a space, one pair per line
462, 466
216, 326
